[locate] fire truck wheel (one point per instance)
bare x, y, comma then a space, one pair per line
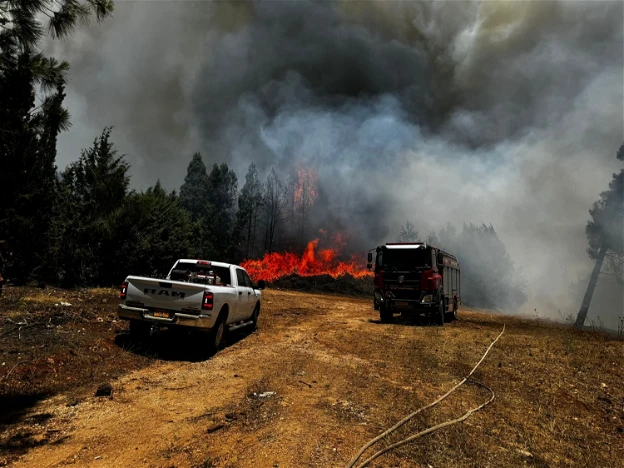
450, 316
440, 315
385, 314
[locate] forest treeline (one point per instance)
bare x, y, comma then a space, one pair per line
86, 226
96, 230
489, 277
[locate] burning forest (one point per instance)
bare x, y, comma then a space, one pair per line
314, 261
361, 117
300, 254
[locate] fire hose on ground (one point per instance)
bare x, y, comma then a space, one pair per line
429, 430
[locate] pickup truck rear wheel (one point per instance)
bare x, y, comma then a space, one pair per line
139, 330
216, 336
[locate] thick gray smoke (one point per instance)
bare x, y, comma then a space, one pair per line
507, 113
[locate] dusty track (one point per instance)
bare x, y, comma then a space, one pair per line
339, 377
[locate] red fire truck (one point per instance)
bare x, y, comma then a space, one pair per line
415, 278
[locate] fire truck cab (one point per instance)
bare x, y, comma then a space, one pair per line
415, 278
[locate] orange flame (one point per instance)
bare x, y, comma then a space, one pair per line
324, 262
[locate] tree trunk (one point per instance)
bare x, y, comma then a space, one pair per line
249, 234
582, 315
254, 221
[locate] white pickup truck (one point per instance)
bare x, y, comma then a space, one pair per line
211, 296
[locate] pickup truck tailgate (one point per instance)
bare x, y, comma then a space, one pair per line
163, 294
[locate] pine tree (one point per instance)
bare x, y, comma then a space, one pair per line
96, 186
408, 233
489, 276
249, 203
274, 202
222, 187
605, 234
28, 132
154, 230
194, 192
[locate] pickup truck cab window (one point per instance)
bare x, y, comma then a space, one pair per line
248, 282
241, 278
179, 272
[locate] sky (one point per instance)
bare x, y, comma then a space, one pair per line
499, 112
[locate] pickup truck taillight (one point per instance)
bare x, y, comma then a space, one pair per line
124, 290
207, 301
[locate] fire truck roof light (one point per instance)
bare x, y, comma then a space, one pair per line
419, 244
406, 245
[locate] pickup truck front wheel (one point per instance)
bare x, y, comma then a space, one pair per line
254, 318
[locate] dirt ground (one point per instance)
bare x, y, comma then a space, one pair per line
319, 378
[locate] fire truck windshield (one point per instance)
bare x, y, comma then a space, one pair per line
403, 259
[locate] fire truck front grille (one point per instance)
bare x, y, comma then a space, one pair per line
405, 294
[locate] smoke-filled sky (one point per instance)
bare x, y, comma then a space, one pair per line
498, 112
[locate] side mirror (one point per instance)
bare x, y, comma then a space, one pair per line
369, 265
370, 257
261, 284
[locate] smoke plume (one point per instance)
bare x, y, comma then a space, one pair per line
507, 113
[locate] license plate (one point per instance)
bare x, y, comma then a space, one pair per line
162, 314
401, 303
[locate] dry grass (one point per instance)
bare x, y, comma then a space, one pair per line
47, 348
560, 398
340, 378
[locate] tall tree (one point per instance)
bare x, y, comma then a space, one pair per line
274, 201
305, 192
447, 238
96, 187
156, 231
605, 234
489, 276
249, 203
408, 233
222, 187
28, 131
433, 239
194, 191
